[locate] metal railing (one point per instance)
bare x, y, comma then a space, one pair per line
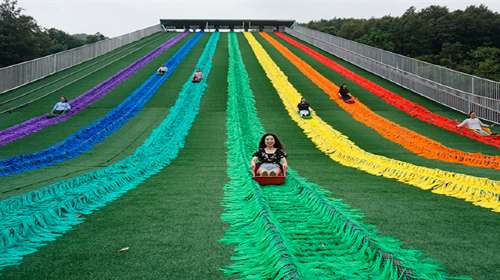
25, 72
457, 90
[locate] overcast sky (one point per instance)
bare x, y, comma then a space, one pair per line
116, 17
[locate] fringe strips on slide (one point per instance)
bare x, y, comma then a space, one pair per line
482, 192
411, 108
86, 99
408, 139
87, 137
295, 231
31, 220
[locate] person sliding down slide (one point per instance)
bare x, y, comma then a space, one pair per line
271, 157
162, 70
198, 76
60, 108
345, 95
303, 107
475, 124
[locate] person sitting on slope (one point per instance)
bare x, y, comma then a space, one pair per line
60, 108
198, 76
344, 93
162, 70
474, 123
270, 156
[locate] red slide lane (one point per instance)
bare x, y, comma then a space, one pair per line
411, 108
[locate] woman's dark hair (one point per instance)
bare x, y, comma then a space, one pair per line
470, 113
277, 143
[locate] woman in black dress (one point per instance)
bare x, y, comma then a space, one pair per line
270, 156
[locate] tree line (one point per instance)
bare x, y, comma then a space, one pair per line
22, 39
465, 40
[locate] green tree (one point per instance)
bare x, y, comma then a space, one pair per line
19, 35
465, 40
485, 62
21, 38
62, 41
94, 38
352, 29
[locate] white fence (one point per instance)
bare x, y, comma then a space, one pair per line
457, 90
22, 73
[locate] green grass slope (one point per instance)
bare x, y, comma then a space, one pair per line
376, 104
99, 69
454, 232
118, 145
170, 223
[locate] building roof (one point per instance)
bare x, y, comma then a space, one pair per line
224, 23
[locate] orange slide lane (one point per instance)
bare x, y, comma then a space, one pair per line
409, 139
411, 108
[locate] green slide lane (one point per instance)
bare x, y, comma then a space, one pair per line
73, 86
376, 104
364, 137
119, 145
455, 233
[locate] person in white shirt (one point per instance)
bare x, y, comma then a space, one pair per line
198, 76
60, 108
475, 124
162, 70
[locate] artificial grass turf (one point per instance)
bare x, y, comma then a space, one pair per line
73, 90
132, 223
451, 231
375, 103
123, 141
171, 222
38, 88
299, 244
66, 74
42, 139
408, 94
363, 136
